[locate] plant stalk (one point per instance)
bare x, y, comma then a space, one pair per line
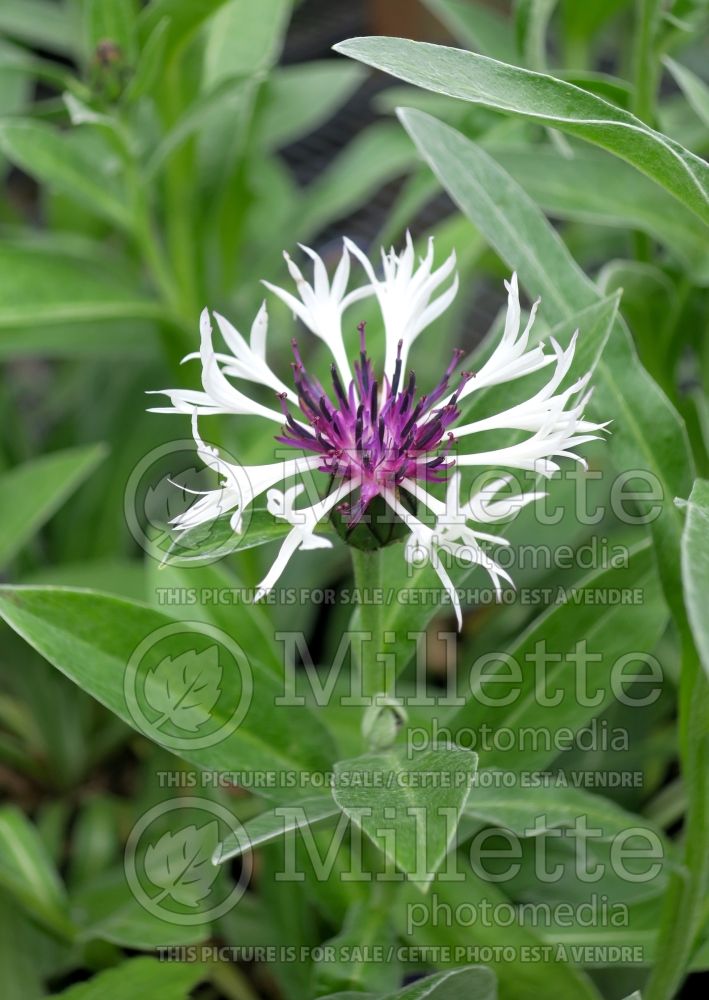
645, 79
368, 580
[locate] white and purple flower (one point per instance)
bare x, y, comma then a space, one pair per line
375, 436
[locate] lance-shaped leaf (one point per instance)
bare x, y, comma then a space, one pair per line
534, 810
106, 909
695, 566
408, 802
56, 299
352, 958
693, 88
207, 543
31, 493
477, 26
583, 630
599, 189
139, 977
275, 824
543, 99
41, 23
28, 875
648, 434
475, 982
542, 975
91, 637
60, 161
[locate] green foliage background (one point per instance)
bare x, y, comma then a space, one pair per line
140, 153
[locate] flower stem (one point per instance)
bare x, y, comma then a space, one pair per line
645, 58
368, 581
646, 78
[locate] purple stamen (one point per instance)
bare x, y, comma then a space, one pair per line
371, 430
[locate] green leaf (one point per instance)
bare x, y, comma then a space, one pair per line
210, 594
192, 547
60, 161
545, 100
582, 19
31, 493
149, 63
181, 18
541, 976
140, 977
231, 92
532, 22
649, 294
27, 872
408, 803
275, 824
695, 566
95, 840
612, 88
27, 954
15, 81
350, 960
693, 88
599, 189
473, 983
92, 637
351, 995
243, 39
516, 809
57, 301
298, 99
105, 909
648, 433
583, 625
43, 23
405, 616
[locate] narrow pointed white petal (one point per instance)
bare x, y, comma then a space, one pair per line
259, 330
302, 536
294, 304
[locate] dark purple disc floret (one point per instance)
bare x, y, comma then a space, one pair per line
380, 434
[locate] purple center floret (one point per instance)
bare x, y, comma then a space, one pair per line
378, 434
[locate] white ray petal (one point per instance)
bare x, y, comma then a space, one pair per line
302, 535
404, 295
320, 306
218, 387
241, 484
